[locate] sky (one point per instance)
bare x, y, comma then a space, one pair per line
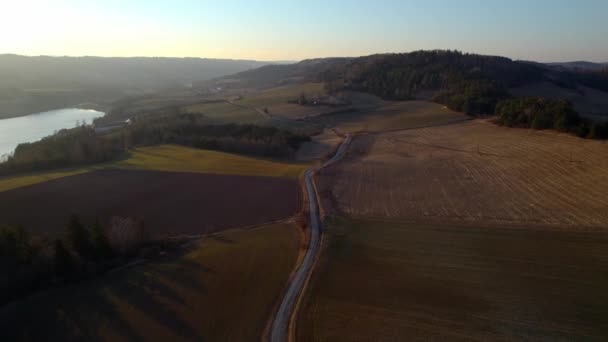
540, 30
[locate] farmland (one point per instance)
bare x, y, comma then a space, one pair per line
473, 172
462, 231
224, 112
169, 202
179, 158
383, 281
172, 158
223, 289
391, 116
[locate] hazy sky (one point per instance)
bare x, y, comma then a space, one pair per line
543, 30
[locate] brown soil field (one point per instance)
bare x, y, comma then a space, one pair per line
387, 281
473, 171
170, 203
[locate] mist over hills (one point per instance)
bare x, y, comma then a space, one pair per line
32, 84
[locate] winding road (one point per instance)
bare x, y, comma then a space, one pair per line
279, 331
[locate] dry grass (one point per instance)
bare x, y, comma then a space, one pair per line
281, 95
380, 281
391, 116
223, 290
473, 172
180, 158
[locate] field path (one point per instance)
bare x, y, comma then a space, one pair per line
279, 331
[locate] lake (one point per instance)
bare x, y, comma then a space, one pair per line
34, 127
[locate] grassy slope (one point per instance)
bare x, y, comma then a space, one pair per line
398, 281
173, 158
392, 116
179, 158
223, 290
281, 95
12, 182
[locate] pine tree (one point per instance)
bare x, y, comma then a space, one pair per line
63, 261
100, 242
79, 238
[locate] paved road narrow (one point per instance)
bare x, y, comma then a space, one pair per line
280, 325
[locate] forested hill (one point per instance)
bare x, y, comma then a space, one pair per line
32, 84
469, 83
465, 82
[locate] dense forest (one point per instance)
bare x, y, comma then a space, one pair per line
538, 113
82, 145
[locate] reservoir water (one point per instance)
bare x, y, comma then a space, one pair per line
34, 127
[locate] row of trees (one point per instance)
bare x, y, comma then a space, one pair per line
539, 113
68, 147
29, 264
82, 145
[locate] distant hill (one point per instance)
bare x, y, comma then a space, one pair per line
32, 84
580, 65
469, 83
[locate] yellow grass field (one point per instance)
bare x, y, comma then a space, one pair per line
179, 158
473, 172
224, 112
224, 289
281, 95
172, 158
380, 281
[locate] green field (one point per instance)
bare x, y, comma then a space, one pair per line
222, 290
223, 112
379, 281
179, 158
172, 158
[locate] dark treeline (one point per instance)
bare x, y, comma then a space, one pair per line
29, 264
77, 146
538, 113
191, 129
82, 145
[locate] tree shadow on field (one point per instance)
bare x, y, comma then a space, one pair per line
110, 305
65, 314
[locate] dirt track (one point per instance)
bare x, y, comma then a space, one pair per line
169, 202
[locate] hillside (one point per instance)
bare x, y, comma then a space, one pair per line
33, 84
469, 83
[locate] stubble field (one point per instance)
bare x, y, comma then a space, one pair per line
473, 172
